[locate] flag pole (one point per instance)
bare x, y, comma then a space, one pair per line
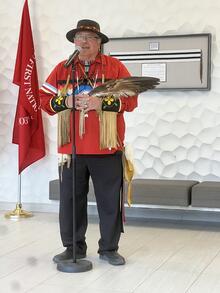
18, 212
28, 126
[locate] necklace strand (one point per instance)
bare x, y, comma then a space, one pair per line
86, 76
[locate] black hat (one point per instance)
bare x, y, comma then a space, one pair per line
87, 25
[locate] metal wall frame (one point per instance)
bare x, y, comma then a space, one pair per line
183, 62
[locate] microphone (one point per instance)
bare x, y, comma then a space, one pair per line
72, 56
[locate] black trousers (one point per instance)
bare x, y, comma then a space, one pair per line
107, 176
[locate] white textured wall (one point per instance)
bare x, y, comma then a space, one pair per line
173, 134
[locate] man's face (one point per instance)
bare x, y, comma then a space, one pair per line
89, 42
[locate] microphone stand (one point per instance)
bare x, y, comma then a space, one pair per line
74, 266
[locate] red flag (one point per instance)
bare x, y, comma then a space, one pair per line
28, 128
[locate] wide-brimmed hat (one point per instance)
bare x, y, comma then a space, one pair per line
87, 25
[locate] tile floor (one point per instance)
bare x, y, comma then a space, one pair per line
162, 257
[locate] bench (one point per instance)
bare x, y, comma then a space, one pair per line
147, 192
165, 199
206, 194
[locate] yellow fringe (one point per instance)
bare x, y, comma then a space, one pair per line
63, 129
108, 129
128, 176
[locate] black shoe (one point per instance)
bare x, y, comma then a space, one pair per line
113, 257
67, 255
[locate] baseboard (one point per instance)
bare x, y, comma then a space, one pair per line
139, 212
52, 207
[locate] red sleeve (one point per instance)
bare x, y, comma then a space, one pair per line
48, 91
130, 103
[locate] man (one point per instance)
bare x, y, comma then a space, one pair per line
98, 155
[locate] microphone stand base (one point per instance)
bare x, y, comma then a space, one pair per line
79, 266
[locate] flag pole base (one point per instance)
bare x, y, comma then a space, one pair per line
79, 266
18, 213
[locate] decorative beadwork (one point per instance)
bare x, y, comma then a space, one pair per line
110, 104
58, 103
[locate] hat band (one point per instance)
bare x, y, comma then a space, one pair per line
89, 28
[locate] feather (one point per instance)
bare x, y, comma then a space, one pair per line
127, 87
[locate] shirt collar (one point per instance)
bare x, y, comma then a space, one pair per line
99, 59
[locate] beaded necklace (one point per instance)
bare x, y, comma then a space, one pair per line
84, 79
84, 85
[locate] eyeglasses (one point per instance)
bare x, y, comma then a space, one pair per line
86, 38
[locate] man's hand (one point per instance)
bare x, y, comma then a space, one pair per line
84, 102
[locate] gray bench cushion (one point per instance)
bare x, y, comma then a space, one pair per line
148, 191
54, 190
206, 194
162, 192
